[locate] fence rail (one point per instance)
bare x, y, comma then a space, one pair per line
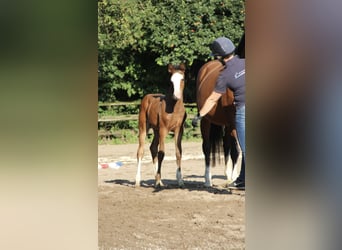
106, 120
108, 104
118, 118
132, 117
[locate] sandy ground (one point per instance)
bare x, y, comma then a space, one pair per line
194, 217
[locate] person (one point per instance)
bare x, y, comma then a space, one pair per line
232, 77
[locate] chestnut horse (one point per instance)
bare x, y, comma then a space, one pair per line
218, 126
163, 113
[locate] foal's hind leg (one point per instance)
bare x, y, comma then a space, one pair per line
140, 152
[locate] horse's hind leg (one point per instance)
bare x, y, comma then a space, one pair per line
178, 146
205, 131
238, 163
229, 164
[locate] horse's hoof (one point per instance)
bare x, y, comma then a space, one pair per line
137, 185
181, 185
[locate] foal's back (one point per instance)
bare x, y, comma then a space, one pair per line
159, 111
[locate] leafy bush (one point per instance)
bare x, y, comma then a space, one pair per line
137, 39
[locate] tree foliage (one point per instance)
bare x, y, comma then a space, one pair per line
137, 39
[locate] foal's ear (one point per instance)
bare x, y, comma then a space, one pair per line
182, 67
170, 68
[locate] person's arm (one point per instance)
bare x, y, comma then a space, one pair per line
208, 105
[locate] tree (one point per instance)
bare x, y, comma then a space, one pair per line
137, 39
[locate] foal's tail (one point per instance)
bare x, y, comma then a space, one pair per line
216, 143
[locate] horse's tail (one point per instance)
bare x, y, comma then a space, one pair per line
216, 143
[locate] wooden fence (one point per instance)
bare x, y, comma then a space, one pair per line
131, 117
115, 118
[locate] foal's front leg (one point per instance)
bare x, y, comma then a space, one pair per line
178, 146
154, 150
161, 154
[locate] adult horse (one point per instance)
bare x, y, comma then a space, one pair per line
218, 126
163, 113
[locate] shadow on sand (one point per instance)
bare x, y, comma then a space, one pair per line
172, 184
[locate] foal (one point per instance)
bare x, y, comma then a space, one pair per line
163, 113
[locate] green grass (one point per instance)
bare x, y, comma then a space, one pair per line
126, 136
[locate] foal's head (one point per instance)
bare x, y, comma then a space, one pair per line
177, 78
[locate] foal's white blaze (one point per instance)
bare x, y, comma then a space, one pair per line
138, 176
176, 79
207, 176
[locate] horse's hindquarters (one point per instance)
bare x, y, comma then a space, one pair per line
222, 115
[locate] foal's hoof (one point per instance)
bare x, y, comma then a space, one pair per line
208, 184
159, 184
137, 181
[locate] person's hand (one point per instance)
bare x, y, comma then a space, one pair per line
195, 120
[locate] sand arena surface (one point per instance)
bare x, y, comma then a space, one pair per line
194, 217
